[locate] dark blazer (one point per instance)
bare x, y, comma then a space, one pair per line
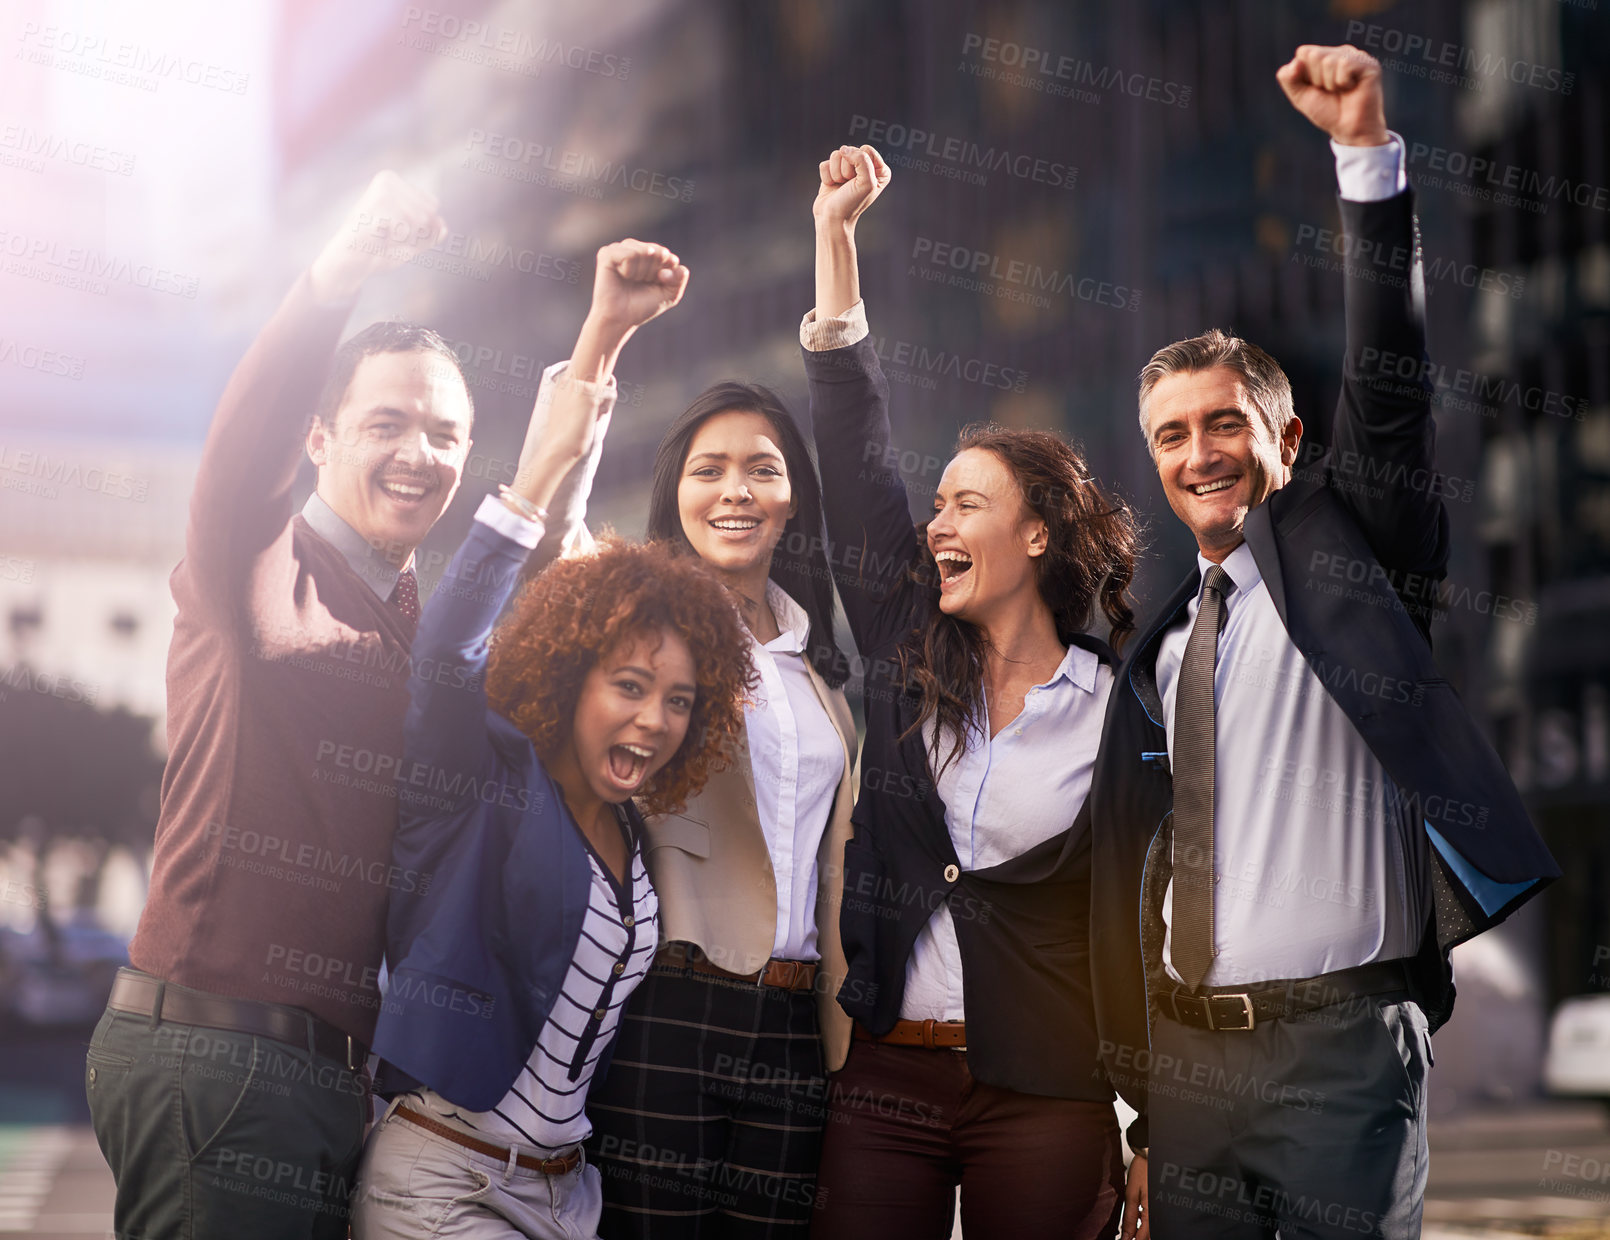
1022, 926
479, 947
1352, 551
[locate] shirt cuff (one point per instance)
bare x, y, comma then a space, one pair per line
559, 373
1370, 173
819, 335
527, 531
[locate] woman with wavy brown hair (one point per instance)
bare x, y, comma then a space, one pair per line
523, 916
967, 881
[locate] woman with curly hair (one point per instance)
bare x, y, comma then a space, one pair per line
522, 915
710, 1122
967, 933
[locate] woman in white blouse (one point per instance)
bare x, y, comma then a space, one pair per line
710, 1121
967, 882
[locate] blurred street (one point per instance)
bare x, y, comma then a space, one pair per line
1541, 1170
54, 1185
1496, 1175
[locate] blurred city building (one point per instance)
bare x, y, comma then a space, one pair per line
1074, 185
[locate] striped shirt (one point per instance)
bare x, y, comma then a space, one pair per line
545, 1108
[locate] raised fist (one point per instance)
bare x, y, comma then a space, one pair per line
852, 178
391, 223
1339, 90
635, 282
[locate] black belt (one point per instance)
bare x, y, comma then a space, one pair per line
1223, 1008
143, 995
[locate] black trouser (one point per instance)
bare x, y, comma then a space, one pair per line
709, 1122
211, 1133
1313, 1124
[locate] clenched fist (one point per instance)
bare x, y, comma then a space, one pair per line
635, 282
391, 223
852, 179
1339, 90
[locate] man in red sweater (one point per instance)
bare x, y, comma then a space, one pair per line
226, 1078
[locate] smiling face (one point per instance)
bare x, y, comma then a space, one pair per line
393, 454
734, 496
631, 716
984, 538
1216, 455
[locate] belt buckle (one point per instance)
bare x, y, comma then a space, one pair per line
1246, 1010
352, 1067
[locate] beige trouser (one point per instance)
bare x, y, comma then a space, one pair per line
414, 1184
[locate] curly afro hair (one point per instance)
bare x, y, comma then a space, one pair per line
578, 610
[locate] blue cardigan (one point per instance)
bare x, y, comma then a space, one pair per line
479, 945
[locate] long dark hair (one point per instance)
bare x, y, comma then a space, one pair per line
799, 561
1089, 558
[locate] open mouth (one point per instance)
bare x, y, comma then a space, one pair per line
401, 492
628, 764
953, 565
1218, 484
736, 525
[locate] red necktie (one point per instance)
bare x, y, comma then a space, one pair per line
405, 598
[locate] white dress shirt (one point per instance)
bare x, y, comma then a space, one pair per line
797, 758
1003, 795
1318, 861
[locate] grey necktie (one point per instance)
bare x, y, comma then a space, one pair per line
1191, 934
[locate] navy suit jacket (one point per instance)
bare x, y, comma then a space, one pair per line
1353, 551
479, 946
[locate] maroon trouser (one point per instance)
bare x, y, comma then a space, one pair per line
907, 1126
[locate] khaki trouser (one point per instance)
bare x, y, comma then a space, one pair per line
413, 1184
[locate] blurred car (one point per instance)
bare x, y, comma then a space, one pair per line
59, 976
1577, 1062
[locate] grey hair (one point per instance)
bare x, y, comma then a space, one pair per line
1266, 384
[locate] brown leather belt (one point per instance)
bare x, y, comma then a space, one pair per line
783, 974
141, 994
563, 1164
949, 1035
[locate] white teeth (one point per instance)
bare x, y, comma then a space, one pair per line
952, 557
1207, 488
403, 488
735, 523
638, 751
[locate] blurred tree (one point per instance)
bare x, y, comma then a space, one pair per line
71, 771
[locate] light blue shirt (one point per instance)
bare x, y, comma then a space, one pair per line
1003, 795
378, 573
1319, 863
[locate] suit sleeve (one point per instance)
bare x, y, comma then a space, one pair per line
1382, 461
872, 540
238, 539
446, 743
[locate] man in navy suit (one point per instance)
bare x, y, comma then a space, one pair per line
1295, 819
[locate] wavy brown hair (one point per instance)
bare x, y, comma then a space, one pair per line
1089, 559
578, 610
